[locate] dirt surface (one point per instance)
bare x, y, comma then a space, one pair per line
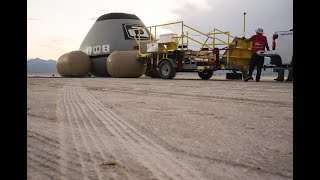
143, 128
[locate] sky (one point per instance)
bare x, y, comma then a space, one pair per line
59, 26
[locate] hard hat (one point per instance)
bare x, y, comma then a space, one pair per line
259, 30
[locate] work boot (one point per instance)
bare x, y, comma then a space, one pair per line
279, 79
290, 76
248, 78
280, 75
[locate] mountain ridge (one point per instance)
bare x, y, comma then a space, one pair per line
38, 65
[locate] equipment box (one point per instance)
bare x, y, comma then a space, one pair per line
154, 47
168, 38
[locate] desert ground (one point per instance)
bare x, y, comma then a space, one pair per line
144, 128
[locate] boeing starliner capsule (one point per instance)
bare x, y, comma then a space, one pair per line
113, 32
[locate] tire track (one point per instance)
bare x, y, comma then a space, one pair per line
43, 138
161, 162
45, 141
68, 144
85, 123
88, 167
120, 137
95, 151
34, 165
99, 132
134, 134
106, 136
43, 147
41, 163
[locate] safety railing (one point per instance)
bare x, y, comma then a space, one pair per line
184, 37
215, 32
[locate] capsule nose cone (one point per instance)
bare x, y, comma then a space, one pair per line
112, 32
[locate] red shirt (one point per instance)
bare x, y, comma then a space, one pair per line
259, 42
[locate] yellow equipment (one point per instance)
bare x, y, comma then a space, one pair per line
175, 49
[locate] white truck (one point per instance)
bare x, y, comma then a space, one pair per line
281, 54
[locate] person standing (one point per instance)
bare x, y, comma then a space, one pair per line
281, 74
259, 42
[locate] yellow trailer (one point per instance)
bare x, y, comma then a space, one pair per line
167, 54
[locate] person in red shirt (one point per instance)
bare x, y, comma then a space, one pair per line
259, 42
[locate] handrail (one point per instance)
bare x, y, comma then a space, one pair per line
183, 35
198, 31
221, 32
198, 42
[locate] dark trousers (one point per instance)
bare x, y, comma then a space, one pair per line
258, 61
281, 74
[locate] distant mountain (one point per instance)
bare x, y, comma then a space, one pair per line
41, 66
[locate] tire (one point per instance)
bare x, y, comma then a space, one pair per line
166, 70
205, 74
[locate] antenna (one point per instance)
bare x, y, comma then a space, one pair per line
244, 24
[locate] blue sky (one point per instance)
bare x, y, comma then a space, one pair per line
57, 27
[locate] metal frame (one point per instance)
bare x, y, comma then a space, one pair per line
207, 57
184, 37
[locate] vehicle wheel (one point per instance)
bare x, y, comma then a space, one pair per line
166, 70
205, 74
152, 74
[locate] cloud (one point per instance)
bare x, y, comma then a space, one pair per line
52, 48
58, 43
196, 16
204, 15
227, 15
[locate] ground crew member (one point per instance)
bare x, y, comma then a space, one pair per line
259, 42
281, 75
